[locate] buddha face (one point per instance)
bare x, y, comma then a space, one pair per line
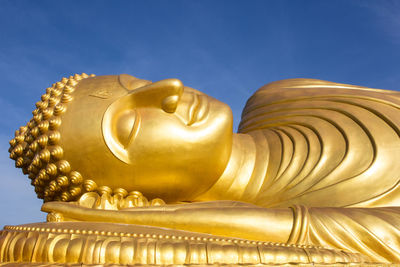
161, 138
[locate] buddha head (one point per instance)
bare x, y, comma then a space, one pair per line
119, 134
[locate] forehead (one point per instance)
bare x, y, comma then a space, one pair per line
101, 87
112, 87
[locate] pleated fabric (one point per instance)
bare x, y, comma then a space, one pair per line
332, 144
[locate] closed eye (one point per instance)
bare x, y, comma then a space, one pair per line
135, 128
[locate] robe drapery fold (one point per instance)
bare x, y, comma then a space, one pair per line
373, 232
338, 145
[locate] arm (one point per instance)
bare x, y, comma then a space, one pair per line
230, 219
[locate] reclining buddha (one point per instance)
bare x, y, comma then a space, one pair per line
314, 164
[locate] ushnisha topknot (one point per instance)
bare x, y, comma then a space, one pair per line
36, 148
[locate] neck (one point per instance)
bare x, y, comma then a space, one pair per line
247, 164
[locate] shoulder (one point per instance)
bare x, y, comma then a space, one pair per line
305, 90
301, 87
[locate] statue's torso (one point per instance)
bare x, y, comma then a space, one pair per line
329, 145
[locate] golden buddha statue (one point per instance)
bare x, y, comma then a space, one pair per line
311, 176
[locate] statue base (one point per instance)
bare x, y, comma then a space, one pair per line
70, 243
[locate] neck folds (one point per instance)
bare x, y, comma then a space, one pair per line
245, 171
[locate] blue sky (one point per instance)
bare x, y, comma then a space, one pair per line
226, 49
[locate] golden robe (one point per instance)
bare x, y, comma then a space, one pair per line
335, 147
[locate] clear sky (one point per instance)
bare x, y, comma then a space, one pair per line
226, 49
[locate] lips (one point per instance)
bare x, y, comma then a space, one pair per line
198, 109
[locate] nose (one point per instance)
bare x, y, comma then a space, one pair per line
164, 94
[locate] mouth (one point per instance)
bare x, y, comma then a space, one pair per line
198, 109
